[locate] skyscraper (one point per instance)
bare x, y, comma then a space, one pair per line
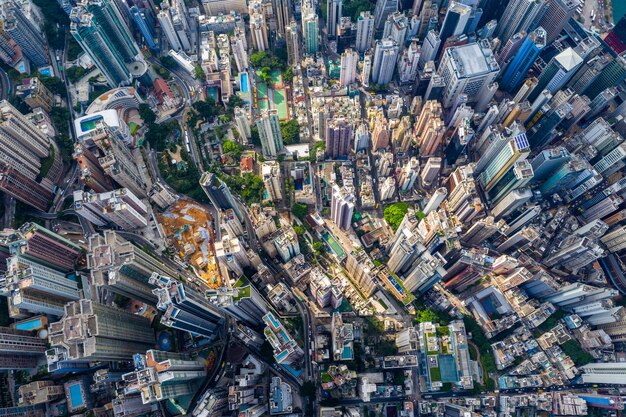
269, 133
90, 331
310, 31
515, 149
258, 31
99, 28
120, 208
24, 33
333, 11
339, 136
529, 50
144, 27
160, 376
430, 47
219, 194
123, 267
185, 308
518, 16
20, 349
610, 76
558, 72
557, 14
293, 43
348, 74
364, 31
456, 20
243, 301
167, 28
383, 9
469, 69
342, 207
385, 58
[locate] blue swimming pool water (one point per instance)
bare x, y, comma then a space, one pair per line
76, 396
29, 325
244, 82
89, 124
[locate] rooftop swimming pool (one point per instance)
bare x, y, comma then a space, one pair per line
243, 78
89, 124
76, 395
30, 325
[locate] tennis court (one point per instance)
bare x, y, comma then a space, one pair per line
334, 246
277, 78
280, 104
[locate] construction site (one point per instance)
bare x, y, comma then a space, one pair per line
188, 229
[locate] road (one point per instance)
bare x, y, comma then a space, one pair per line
6, 85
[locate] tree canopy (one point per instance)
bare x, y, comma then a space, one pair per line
146, 113
262, 59
300, 210
290, 131
232, 148
394, 214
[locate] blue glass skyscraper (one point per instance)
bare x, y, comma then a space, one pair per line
517, 70
140, 20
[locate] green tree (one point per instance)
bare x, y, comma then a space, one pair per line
290, 131
318, 247
54, 84
232, 148
313, 151
234, 101
75, 73
199, 73
300, 210
169, 62
299, 230
394, 214
146, 113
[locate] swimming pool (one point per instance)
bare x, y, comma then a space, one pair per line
76, 396
243, 79
30, 325
89, 124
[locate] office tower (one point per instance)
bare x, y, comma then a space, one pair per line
123, 267
557, 72
32, 287
431, 170
549, 161
517, 71
39, 392
615, 239
611, 76
396, 27
118, 161
99, 28
333, 11
270, 172
160, 376
24, 33
604, 373
385, 58
219, 194
338, 138
120, 208
483, 230
286, 350
242, 124
178, 11
426, 271
456, 20
258, 31
557, 14
185, 308
383, 9
518, 16
408, 63
342, 207
408, 174
349, 59
564, 177
46, 247
310, 32
429, 48
35, 94
293, 43
603, 208
511, 202
499, 163
520, 174
435, 200
144, 27
90, 331
361, 138
361, 269
167, 28
269, 133
526, 215
574, 253
364, 31
612, 161
468, 69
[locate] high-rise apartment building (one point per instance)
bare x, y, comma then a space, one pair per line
342, 207
46, 247
384, 64
349, 60
364, 31
310, 31
339, 136
219, 194
286, 350
292, 38
122, 267
20, 349
259, 31
120, 208
270, 172
24, 33
90, 331
333, 12
518, 16
270, 134
185, 308
99, 28
383, 9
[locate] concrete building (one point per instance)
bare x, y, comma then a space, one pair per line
339, 136
270, 134
342, 207
120, 208
364, 31
384, 63
270, 172
90, 331
349, 60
